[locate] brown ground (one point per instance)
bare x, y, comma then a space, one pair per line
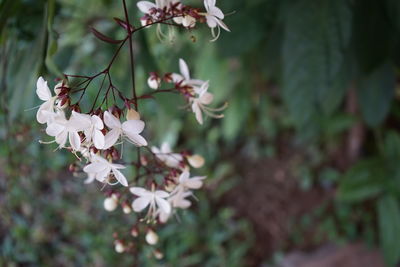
270, 198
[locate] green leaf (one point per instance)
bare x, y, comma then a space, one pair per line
316, 35
363, 181
375, 93
52, 45
389, 228
374, 36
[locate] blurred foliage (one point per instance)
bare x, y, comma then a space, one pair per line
288, 69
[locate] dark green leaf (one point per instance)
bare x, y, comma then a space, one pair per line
375, 93
389, 228
316, 35
363, 181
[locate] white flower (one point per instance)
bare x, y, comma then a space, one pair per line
165, 155
184, 76
199, 104
179, 200
101, 169
214, 17
186, 20
119, 246
93, 132
185, 182
153, 199
47, 108
147, 6
63, 129
130, 128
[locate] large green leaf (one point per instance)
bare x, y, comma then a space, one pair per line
375, 93
389, 228
374, 35
316, 35
365, 180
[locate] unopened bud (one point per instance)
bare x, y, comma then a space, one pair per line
153, 81
110, 203
126, 208
151, 237
119, 247
158, 254
196, 161
132, 115
134, 232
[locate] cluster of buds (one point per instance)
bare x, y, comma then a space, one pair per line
161, 183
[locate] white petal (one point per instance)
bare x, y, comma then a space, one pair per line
215, 11
163, 205
136, 139
206, 98
61, 138
94, 167
145, 6
139, 191
140, 204
45, 111
133, 126
120, 177
74, 140
194, 183
223, 25
212, 21
98, 139
197, 111
184, 176
111, 138
184, 69
54, 129
111, 121
160, 193
42, 90
79, 121
97, 122
165, 148
103, 174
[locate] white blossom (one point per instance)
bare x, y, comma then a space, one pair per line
154, 199
47, 108
184, 76
63, 129
93, 132
214, 17
130, 128
200, 102
164, 154
101, 169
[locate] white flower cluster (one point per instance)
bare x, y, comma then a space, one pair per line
85, 131
195, 91
183, 15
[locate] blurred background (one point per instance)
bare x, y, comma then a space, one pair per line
304, 170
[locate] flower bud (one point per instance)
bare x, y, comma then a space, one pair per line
158, 254
119, 247
132, 115
126, 208
110, 203
151, 237
196, 161
153, 81
134, 232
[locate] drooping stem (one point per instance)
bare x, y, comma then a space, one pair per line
129, 30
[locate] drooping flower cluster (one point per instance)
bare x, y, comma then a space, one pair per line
161, 182
183, 15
